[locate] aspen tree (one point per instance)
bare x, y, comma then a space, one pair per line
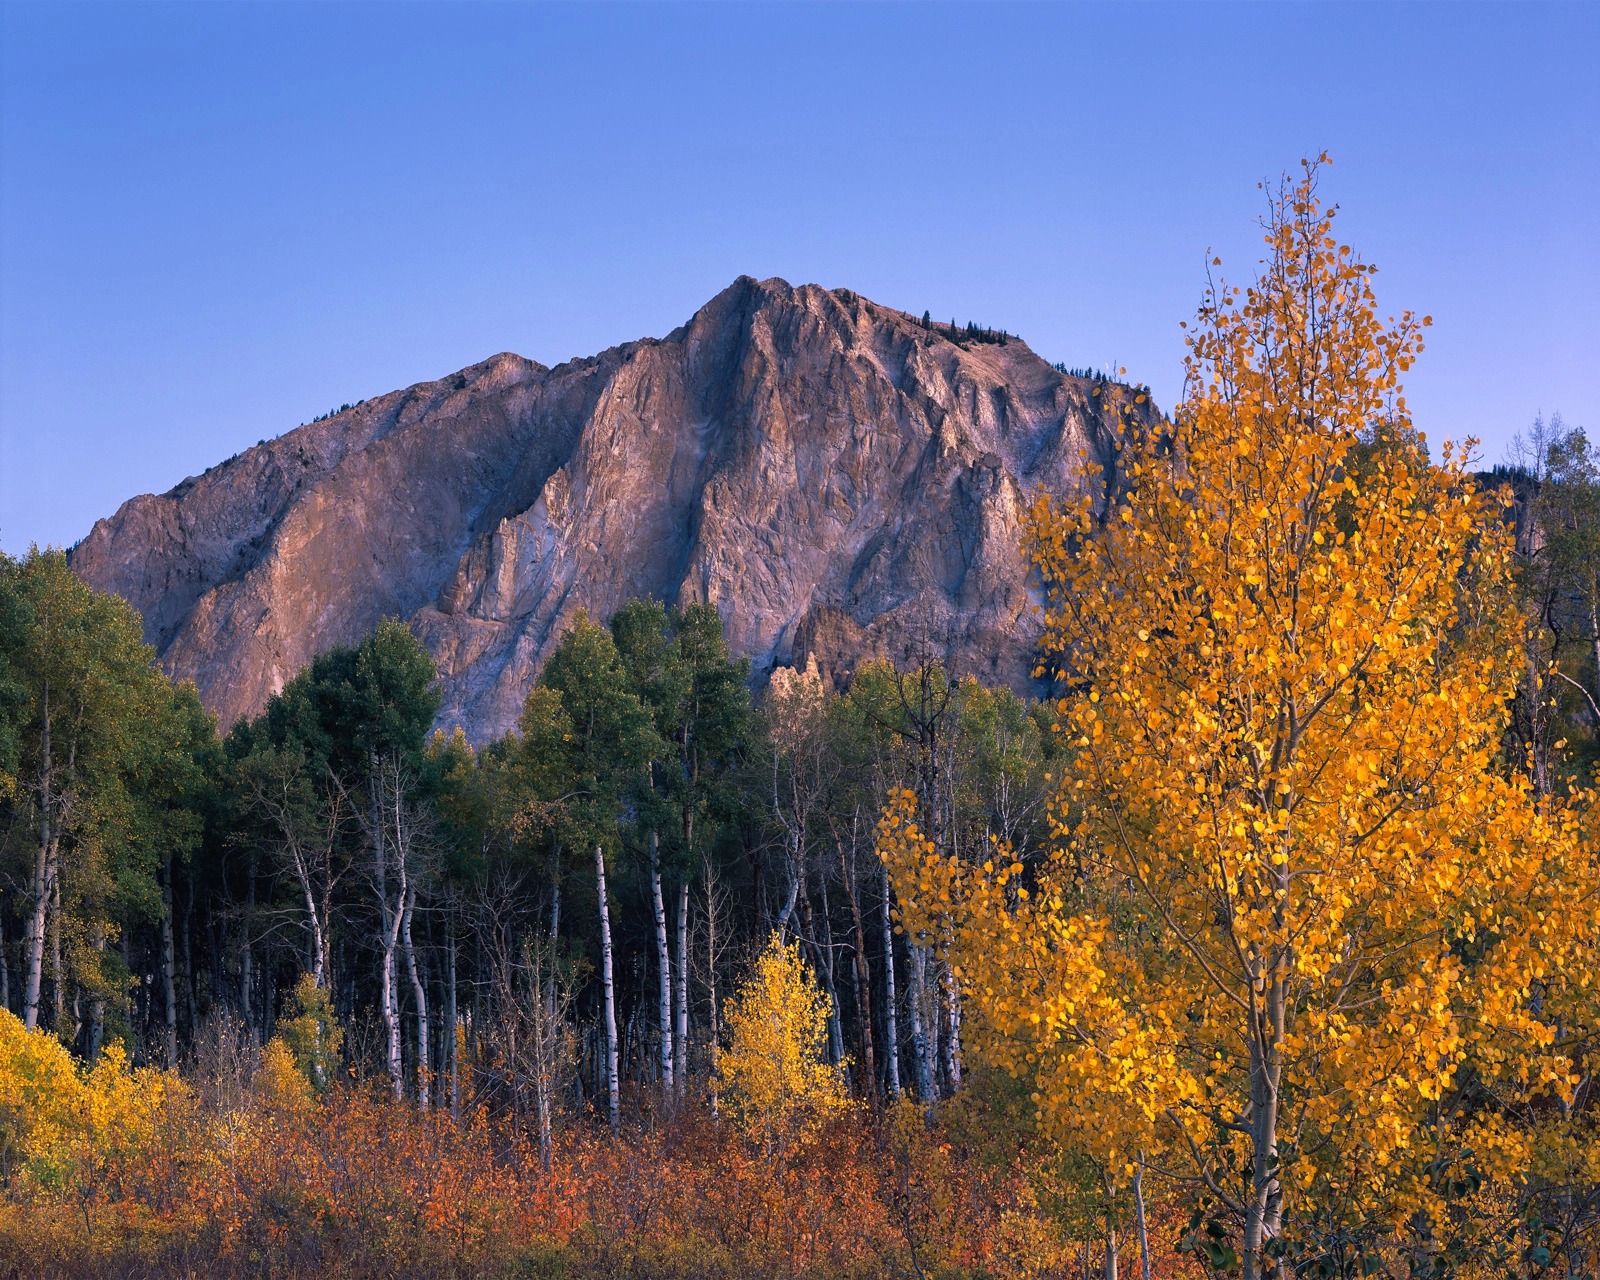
606, 742
1299, 923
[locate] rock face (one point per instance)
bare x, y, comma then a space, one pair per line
836, 479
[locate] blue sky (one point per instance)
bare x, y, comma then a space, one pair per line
219, 220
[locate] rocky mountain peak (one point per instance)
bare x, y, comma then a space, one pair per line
837, 479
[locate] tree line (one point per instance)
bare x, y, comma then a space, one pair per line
550, 920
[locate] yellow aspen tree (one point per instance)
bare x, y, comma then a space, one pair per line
1301, 935
773, 1077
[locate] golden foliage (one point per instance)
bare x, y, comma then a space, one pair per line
773, 1076
67, 1127
1298, 915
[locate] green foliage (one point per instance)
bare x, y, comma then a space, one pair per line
595, 735
679, 667
105, 767
349, 704
312, 1033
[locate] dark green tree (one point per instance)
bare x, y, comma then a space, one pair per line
606, 746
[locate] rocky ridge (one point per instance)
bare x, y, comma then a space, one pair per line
838, 480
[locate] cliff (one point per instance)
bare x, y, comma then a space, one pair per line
837, 479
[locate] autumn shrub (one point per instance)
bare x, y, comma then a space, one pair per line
312, 1033
773, 1075
355, 1184
99, 1132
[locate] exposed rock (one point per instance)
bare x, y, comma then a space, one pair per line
839, 481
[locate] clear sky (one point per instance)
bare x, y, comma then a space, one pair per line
219, 220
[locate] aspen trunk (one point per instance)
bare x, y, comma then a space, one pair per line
1594, 633
711, 957
388, 942
542, 1103
1138, 1219
916, 998
663, 967
97, 1006
613, 1095
863, 972
836, 1011
1111, 1253
891, 1048
247, 959
44, 875
419, 993
169, 965
318, 940
1264, 1209
452, 1065
58, 987
43, 891
951, 1044
191, 998
680, 1038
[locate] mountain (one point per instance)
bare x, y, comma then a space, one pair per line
839, 480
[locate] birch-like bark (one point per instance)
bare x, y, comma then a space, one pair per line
45, 870
191, 998
951, 1043
554, 937
1594, 634
58, 986
419, 994
711, 955
916, 998
452, 1065
663, 968
247, 958
390, 913
680, 1036
169, 967
1264, 1208
836, 1006
97, 1004
891, 1047
1111, 1253
613, 1094
1138, 1219
863, 971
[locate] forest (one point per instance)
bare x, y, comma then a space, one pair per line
1260, 941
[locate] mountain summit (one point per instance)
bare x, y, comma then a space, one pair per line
839, 480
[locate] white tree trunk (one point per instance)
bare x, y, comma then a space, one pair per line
951, 1044
891, 1048
613, 1095
45, 870
663, 967
388, 941
1138, 1219
43, 890
452, 1065
419, 993
680, 1037
169, 968
916, 999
